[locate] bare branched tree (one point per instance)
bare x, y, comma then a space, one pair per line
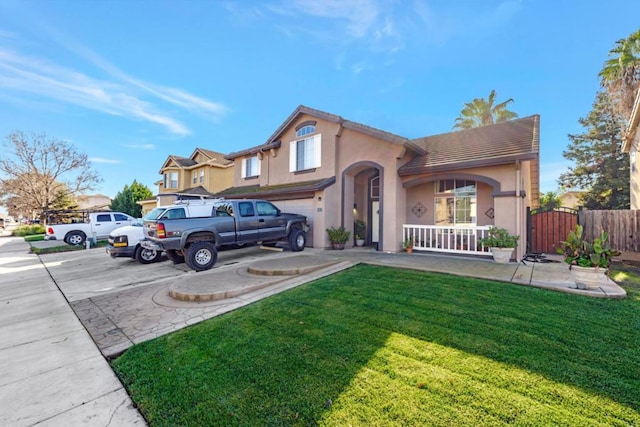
38, 173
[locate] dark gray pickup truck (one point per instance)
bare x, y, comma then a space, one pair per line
196, 240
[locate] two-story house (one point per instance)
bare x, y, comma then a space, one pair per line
448, 188
203, 173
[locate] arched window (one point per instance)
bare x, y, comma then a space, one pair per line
305, 130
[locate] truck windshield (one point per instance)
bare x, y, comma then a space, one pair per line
154, 214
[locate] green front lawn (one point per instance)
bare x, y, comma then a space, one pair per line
377, 346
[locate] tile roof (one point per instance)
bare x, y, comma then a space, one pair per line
183, 161
214, 156
482, 146
256, 191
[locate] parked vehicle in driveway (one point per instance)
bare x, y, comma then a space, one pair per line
98, 226
228, 223
125, 242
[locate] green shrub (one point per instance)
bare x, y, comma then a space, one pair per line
28, 230
500, 238
338, 235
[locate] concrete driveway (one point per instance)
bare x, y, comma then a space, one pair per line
122, 302
92, 273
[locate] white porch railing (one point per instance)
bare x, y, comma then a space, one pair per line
448, 239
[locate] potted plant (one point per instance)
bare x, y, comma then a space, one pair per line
338, 236
360, 231
407, 245
502, 244
588, 261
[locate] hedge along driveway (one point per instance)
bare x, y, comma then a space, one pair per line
382, 346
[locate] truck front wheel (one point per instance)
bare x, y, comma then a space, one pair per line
201, 256
297, 240
174, 256
75, 238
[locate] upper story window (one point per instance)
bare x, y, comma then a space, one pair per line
305, 153
195, 177
171, 180
250, 167
201, 176
305, 130
455, 202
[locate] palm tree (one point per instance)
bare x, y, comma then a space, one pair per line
481, 112
620, 74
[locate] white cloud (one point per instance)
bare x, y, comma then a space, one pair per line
439, 26
140, 146
102, 160
121, 95
339, 25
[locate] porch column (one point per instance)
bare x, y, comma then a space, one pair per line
506, 216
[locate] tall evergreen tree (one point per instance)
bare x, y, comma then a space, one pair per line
481, 112
125, 200
601, 170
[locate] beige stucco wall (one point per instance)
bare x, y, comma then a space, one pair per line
425, 194
274, 166
217, 179
634, 174
341, 149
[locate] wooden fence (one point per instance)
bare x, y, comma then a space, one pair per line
623, 227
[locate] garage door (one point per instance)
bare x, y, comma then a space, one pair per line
302, 207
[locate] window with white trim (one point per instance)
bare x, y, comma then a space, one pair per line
173, 180
201, 176
195, 177
250, 167
305, 153
455, 202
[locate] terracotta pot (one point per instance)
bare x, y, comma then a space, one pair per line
588, 277
502, 255
408, 250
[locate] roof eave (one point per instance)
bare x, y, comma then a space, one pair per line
493, 161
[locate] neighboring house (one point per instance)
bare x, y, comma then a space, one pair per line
204, 172
93, 202
571, 199
631, 145
443, 187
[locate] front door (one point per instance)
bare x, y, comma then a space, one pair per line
375, 221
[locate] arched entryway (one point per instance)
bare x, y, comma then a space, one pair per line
362, 199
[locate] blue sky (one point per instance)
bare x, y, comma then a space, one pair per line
131, 82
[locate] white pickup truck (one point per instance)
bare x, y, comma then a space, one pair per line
98, 226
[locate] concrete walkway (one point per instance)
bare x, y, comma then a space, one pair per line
61, 377
51, 372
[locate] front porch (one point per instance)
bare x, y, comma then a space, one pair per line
447, 238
